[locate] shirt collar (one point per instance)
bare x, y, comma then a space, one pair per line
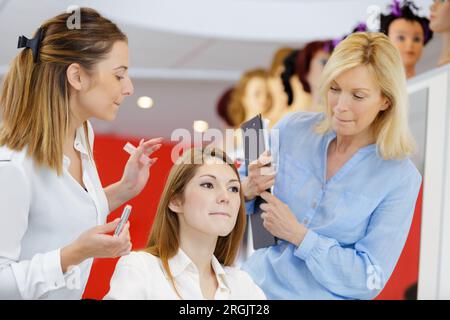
329, 136
78, 144
181, 263
80, 141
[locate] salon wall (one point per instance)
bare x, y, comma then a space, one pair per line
110, 159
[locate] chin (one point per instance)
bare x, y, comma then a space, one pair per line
225, 231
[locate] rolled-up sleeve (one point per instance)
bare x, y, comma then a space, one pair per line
361, 271
25, 279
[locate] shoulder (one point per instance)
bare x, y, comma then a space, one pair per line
139, 260
16, 163
403, 171
241, 280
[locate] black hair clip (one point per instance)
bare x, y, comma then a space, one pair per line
34, 44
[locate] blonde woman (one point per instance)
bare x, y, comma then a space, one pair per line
345, 189
194, 238
53, 207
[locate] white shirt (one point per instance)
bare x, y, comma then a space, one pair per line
40, 213
141, 276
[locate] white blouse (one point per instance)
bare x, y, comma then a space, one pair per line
141, 276
40, 213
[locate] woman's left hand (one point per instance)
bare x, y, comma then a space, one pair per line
280, 221
137, 171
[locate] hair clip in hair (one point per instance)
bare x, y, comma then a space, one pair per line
362, 27
34, 43
396, 10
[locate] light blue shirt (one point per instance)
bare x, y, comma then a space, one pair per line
357, 221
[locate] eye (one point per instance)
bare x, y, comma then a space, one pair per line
401, 38
334, 89
119, 77
417, 39
358, 97
234, 189
207, 185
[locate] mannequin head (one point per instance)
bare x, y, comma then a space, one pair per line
306, 65
276, 69
408, 32
222, 107
440, 16
250, 97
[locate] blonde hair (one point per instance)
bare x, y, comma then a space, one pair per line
375, 51
164, 240
236, 110
35, 96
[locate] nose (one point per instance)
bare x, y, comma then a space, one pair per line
341, 104
128, 88
433, 5
222, 195
409, 44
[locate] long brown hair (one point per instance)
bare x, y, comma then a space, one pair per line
164, 240
35, 96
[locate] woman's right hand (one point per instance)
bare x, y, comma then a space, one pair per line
260, 177
97, 243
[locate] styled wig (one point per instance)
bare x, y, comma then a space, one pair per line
408, 11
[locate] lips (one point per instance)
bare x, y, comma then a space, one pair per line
340, 120
223, 214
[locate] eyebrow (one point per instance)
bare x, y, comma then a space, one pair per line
355, 89
214, 177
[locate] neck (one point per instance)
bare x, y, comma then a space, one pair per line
279, 106
75, 121
302, 100
445, 53
351, 144
410, 71
315, 98
200, 249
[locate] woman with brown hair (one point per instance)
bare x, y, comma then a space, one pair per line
194, 239
53, 207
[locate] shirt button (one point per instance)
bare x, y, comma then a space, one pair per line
314, 204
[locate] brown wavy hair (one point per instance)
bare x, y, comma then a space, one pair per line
35, 96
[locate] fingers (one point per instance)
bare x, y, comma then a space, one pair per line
125, 233
266, 223
145, 149
149, 150
152, 142
263, 160
126, 251
108, 227
266, 207
123, 244
267, 184
270, 198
